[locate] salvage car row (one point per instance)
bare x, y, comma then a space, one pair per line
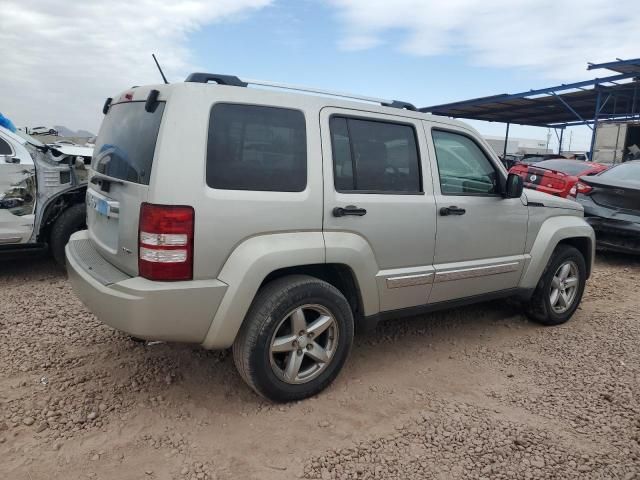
609, 194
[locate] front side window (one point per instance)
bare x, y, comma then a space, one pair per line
373, 156
256, 148
463, 167
5, 148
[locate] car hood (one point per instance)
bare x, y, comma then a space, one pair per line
551, 201
74, 150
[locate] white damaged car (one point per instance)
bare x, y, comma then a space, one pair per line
42, 193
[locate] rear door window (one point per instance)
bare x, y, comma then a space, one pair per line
374, 156
127, 142
256, 148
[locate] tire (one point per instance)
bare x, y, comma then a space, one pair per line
72, 220
272, 317
540, 308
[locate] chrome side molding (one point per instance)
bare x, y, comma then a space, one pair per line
473, 272
410, 280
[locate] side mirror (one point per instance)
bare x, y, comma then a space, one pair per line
515, 185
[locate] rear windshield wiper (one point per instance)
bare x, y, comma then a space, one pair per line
104, 181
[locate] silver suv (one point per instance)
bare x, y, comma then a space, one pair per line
277, 223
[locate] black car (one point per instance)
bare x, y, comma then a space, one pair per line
611, 202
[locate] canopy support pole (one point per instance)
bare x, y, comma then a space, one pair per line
506, 139
595, 124
560, 141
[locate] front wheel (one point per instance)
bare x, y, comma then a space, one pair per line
295, 338
560, 288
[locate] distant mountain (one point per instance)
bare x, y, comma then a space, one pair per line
66, 132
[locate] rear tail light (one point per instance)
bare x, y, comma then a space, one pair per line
551, 182
165, 246
580, 187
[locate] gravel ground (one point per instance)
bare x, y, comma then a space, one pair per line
477, 392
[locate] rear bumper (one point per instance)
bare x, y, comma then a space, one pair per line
617, 235
170, 311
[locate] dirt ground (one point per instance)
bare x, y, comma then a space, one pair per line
478, 392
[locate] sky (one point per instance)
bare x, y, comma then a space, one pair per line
61, 59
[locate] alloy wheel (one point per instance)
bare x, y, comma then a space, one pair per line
303, 344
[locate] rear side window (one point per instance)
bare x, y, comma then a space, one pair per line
127, 142
373, 156
256, 148
5, 148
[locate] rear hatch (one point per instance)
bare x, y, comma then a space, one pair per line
121, 171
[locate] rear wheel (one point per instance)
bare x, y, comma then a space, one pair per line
560, 288
72, 220
295, 338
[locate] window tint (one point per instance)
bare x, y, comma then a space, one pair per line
256, 148
462, 165
374, 156
629, 172
127, 142
570, 167
5, 148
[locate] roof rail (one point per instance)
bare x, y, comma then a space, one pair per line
232, 80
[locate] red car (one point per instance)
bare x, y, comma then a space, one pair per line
556, 176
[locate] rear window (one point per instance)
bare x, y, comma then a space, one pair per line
127, 141
628, 172
256, 148
570, 167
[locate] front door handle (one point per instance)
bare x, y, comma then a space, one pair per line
349, 210
452, 210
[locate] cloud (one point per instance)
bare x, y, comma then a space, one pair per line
555, 37
60, 60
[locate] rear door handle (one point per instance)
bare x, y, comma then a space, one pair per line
349, 210
452, 210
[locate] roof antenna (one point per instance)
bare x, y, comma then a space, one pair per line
159, 68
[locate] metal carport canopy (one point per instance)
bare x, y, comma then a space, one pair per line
615, 97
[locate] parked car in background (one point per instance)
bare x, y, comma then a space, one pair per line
580, 156
556, 176
42, 131
42, 193
293, 220
611, 202
510, 160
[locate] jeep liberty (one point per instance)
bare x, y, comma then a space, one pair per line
277, 223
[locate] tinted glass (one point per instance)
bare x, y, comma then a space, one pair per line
628, 172
384, 156
5, 148
342, 164
532, 159
570, 167
256, 148
127, 141
462, 165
